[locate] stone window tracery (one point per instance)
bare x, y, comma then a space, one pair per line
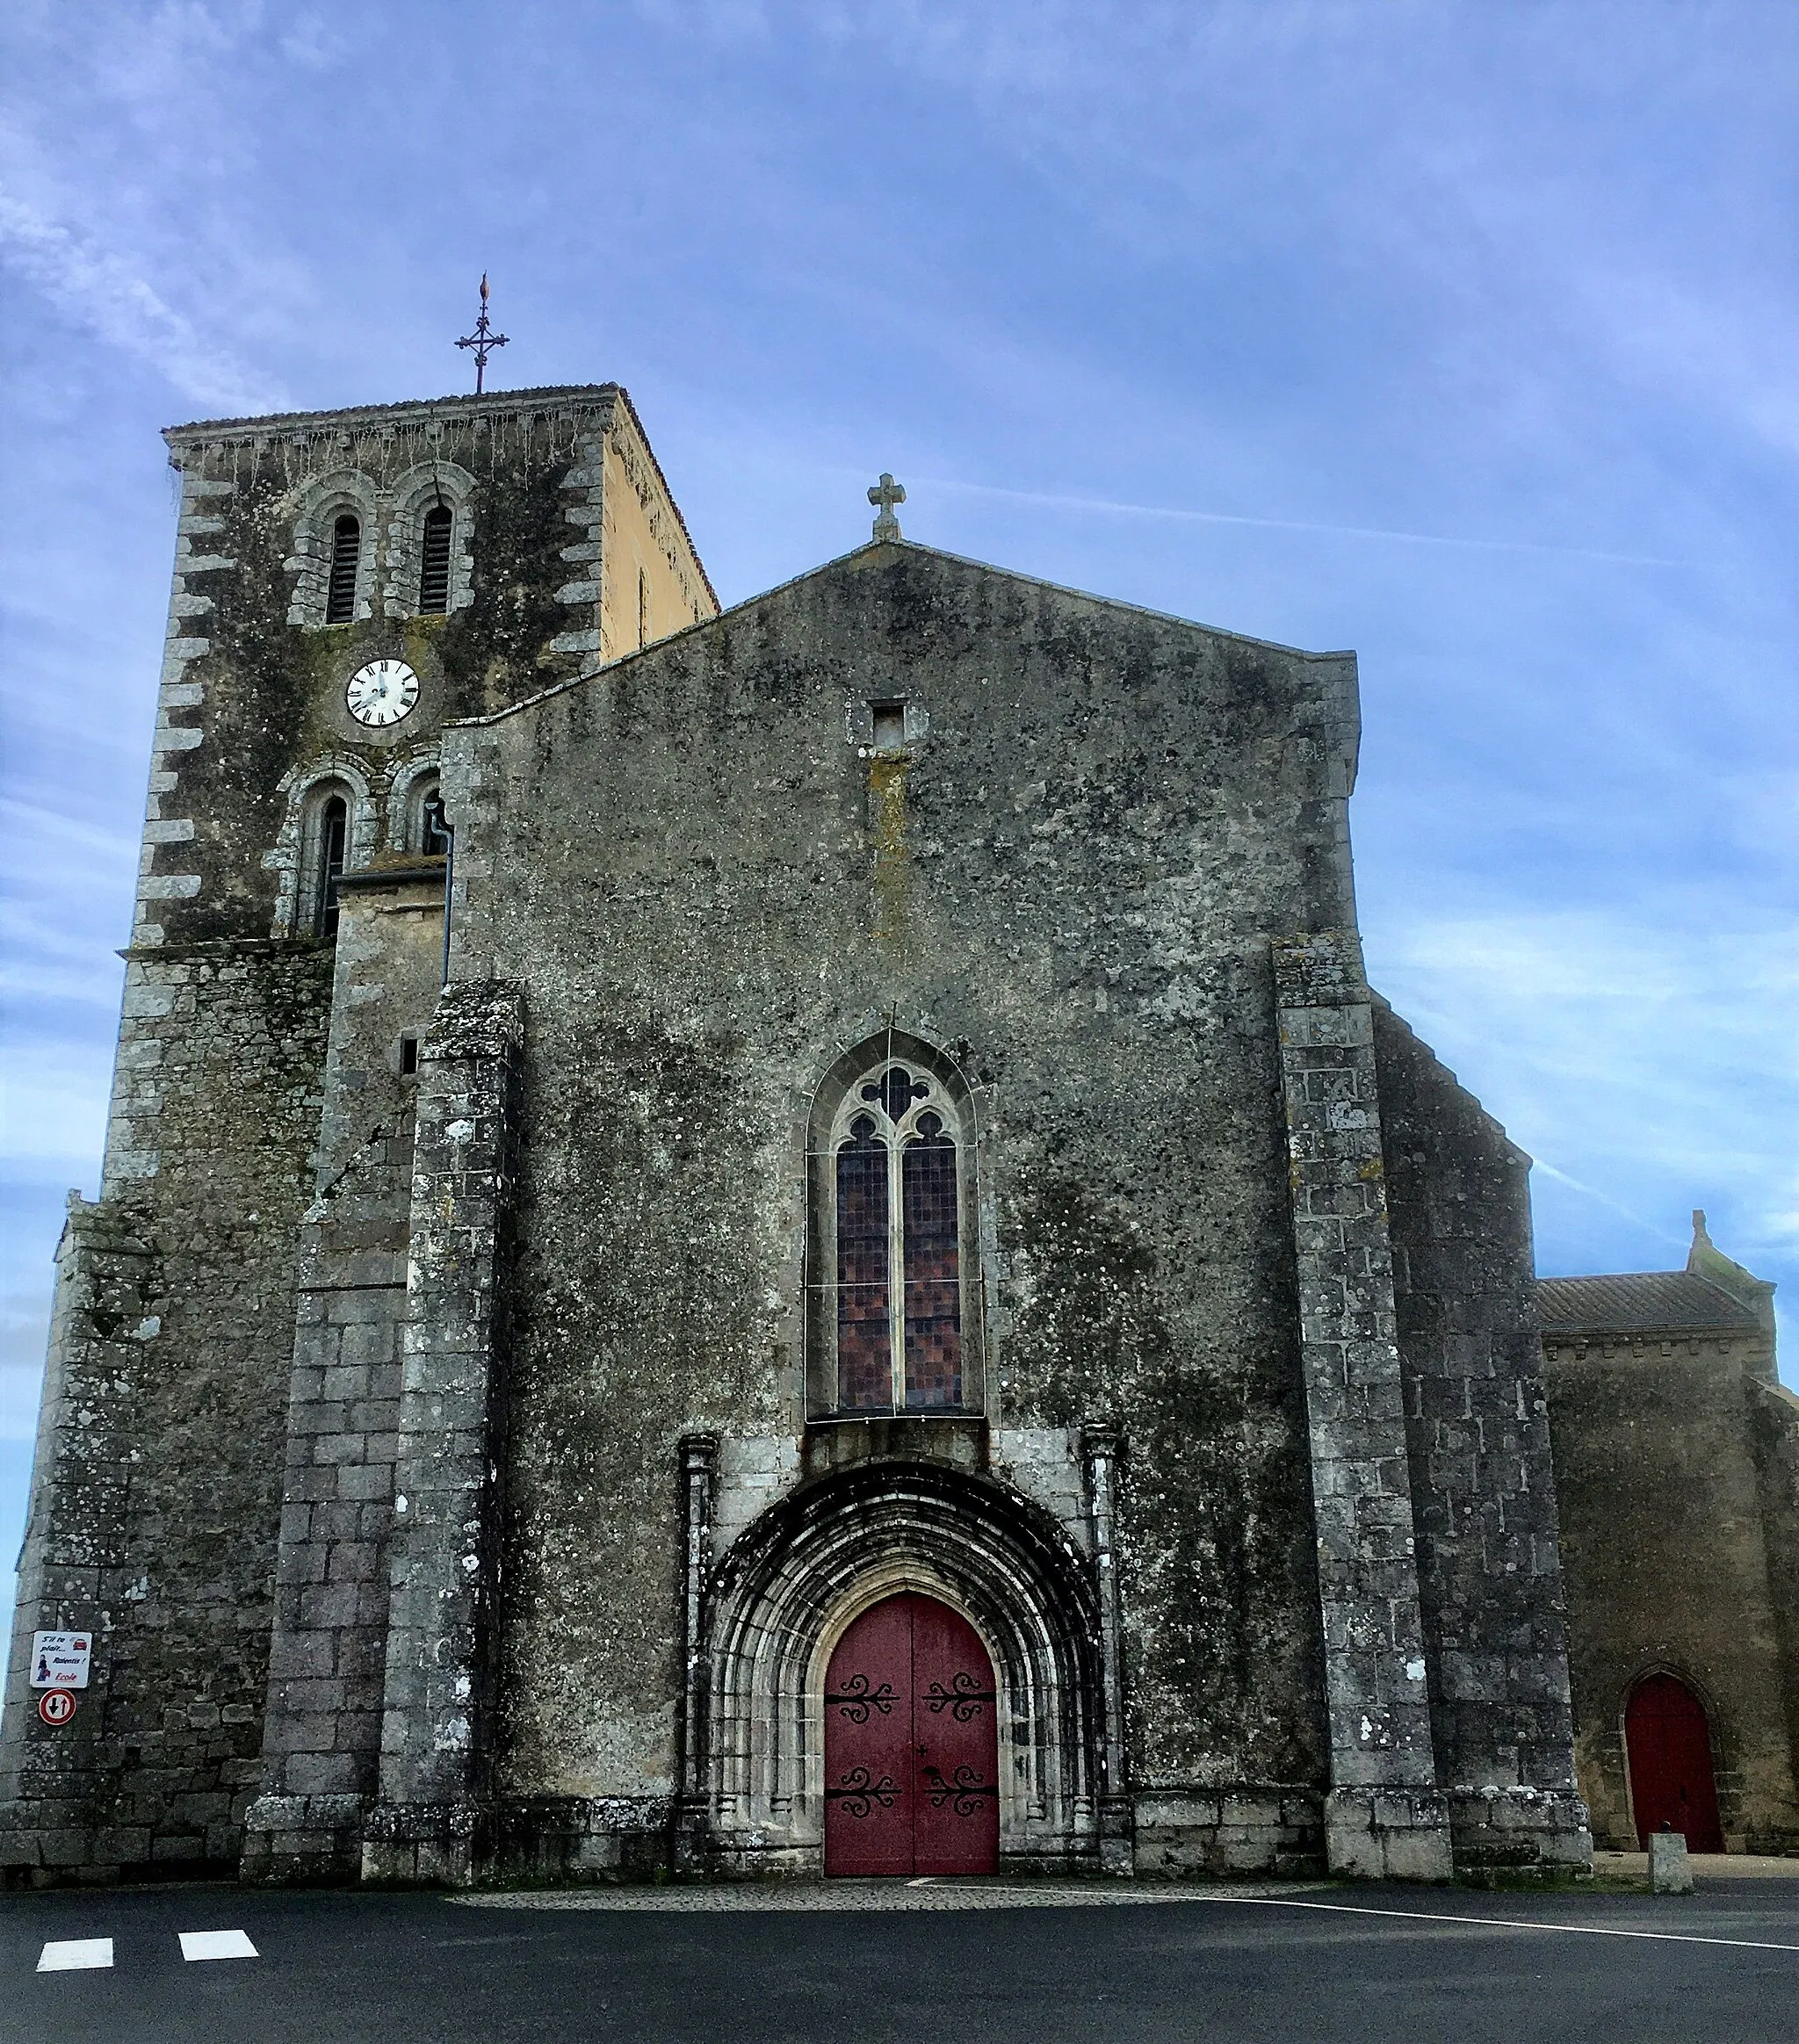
309, 845
894, 1297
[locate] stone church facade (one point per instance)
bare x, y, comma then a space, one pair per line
656, 1151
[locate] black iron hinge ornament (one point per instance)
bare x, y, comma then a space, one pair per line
962, 1699
856, 1699
965, 1790
858, 1793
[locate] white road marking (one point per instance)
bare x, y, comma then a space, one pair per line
1350, 1909
216, 1945
71, 1954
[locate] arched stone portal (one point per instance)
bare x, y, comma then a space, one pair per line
798, 1580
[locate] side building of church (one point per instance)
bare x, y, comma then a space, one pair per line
776, 1241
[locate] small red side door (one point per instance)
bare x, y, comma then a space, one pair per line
911, 1745
1667, 1737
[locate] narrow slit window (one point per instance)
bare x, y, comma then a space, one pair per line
434, 562
889, 726
333, 832
346, 557
408, 1057
643, 610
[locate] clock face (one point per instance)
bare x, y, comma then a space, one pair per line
382, 693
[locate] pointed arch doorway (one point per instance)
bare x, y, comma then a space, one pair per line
912, 1760
1668, 1740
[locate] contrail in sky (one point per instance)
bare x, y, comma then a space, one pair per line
1107, 504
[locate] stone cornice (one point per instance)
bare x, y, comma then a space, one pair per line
357, 420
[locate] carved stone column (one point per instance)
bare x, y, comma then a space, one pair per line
699, 1472
1098, 1447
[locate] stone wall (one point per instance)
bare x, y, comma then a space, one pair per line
1774, 1415
1482, 1488
710, 884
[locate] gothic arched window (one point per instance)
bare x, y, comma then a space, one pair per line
433, 561
892, 1183
346, 558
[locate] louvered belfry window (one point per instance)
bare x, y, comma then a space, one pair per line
898, 1278
434, 562
346, 555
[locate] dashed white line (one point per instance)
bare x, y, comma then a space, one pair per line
216, 1945
72, 1954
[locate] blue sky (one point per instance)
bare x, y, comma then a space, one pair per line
1464, 335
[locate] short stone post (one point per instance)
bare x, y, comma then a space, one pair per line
1670, 1870
443, 1576
1385, 1816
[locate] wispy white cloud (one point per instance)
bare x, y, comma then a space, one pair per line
106, 292
1658, 1055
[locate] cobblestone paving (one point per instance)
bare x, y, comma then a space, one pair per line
877, 1895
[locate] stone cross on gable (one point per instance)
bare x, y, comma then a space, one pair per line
888, 493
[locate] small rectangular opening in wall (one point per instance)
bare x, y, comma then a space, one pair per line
889, 726
408, 1057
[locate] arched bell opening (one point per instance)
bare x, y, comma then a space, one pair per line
798, 1581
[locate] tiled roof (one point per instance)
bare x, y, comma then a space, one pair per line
1638, 1302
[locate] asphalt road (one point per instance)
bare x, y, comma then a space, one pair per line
340, 1968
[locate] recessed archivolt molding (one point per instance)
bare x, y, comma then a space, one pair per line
286, 858
796, 1580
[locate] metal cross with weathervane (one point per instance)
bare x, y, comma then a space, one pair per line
483, 340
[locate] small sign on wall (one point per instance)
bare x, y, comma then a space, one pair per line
59, 1659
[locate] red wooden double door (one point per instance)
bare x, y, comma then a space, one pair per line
911, 1773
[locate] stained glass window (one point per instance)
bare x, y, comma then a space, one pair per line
933, 1280
899, 1198
864, 1336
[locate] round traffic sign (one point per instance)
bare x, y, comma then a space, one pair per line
56, 1707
